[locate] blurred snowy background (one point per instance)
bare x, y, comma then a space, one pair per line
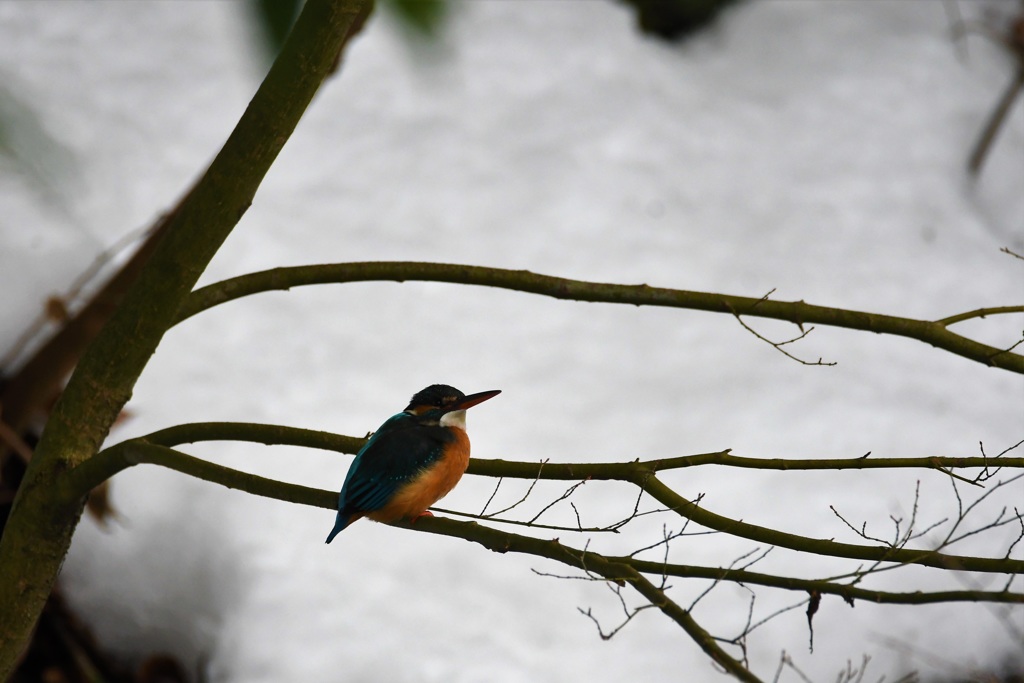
813, 148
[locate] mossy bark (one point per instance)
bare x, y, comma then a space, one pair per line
45, 513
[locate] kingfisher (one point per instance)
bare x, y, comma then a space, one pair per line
412, 461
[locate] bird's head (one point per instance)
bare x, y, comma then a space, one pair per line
445, 405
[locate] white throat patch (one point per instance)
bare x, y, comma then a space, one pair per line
456, 418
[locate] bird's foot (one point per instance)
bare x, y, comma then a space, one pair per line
425, 513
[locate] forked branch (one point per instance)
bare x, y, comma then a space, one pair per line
621, 571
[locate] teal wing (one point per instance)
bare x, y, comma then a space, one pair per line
394, 455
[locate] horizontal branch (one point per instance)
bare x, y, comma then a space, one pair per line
292, 436
844, 590
134, 452
627, 470
935, 333
627, 569
980, 313
112, 460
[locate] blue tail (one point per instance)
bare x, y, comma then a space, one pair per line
339, 526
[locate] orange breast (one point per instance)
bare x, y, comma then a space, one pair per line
413, 499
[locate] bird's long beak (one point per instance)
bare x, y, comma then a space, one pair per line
474, 399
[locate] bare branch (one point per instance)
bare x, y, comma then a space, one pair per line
797, 312
995, 121
625, 471
540, 469
964, 512
497, 486
774, 614
568, 492
929, 558
1020, 536
778, 345
719, 578
611, 634
84, 477
786, 660
531, 524
979, 313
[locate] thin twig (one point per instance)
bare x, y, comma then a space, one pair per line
980, 312
778, 345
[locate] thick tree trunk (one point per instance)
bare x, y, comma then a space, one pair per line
46, 509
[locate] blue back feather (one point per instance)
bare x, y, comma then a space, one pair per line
396, 454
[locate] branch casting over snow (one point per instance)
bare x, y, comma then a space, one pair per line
936, 333
157, 448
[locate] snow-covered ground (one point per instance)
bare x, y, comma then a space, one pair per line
816, 149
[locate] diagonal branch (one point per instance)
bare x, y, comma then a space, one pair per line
38, 530
137, 451
504, 542
657, 597
818, 546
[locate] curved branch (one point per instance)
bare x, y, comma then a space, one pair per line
618, 569
137, 451
797, 312
112, 460
612, 570
504, 542
267, 434
134, 452
818, 546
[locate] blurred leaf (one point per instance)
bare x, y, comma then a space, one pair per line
275, 18
675, 19
424, 17
421, 18
24, 141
